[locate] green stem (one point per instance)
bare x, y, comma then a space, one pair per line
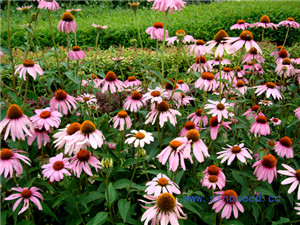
55, 49
26, 89
135, 168
9, 47
96, 51
138, 29
33, 33
144, 164
109, 103
262, 35
220, 91
75, 37
178, 54
31, 214
68, 48
202, 114
163, 49
287, 33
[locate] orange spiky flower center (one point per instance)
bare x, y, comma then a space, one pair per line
136, 95
246, 35
174, 144
76, 48
14, 112
28, 63
180, 82
163, 182
139, 135
290, 19
73, 128
83, 155
169, 86
236, 149
166, 202
213, 170
271, 85
264, 19
189, 125
60, 95
122, 114
220, 106
200, 42
158, 25
163, 106
220, 36
286, 61
269, 161
207, 76
87, 127
261, 119
199, 112
6, 154
213, 178
283, 53
201, 59
58, 165
240, 83
241, 21
286, 141
67, 16
45, 114
155, 93
193, 135
213, 121
110, 76
180, 33
131, 78
253, 51
229, 196
255, 108
26, 193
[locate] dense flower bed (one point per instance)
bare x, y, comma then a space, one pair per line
208, 132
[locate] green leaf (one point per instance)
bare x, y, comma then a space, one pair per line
123, 207
71, 77
281, 221
112, 194
129, 162
99, 219
232, 222
16, 99
3, 216
33, 95
95, 195
265, 191
48, 211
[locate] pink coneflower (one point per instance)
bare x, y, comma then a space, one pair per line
296, 60
165, 114
215, 170
73, 11
139, 138
297, 113
118, 59
215, 126
10, 162
1, 53
29, 67
196, 117
285, 68
26, 194
254, 111
111, 145
76, 53
275, 121
200, 65
171, 90
184, 100
270, 88
219, 39
206, 81
167, 5
283, 147
87, 98
66, 132
157, 31
264, 22
156, 95
24, 9
110, 81
67, 24
213, 182
249, 66
180, 35
199, 48
46, 118
226, 74
175, 151
289, 22
282, 54
218, 109
240, 86
62, 102
229, 198
99, 27
188, 126
134, 102
183, 86
56, 168
294, 178
132, 82
88, 135
260, 126
120, 119
275, 53
241, 24
164, 208
161, 184
93, 78
41, 136
238, 151
245, 39
16, 123
215, 61
266, 168
48, 4
199, 148
240, 73
265, 102
82, 160
251, 55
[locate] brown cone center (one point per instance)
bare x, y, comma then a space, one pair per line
213, 170
213, 179
163, 106
261, 119
122, 114
28, 63
136, 95
58, 165
193, 135
240, 83
67, 16
265, 19
213, 121
269, 161
83, 155
110, 76
246, 35
6, 154
60, 95
87, 127
286, 141
131, 78
73, 128
76, 48
200, 42
220, 35
220, 106
271, 85
236, 149
14, 112
241, 21
230, 196
45, 114
207, 76
174, 144
166, 202
163, 182
26, 193
158, 25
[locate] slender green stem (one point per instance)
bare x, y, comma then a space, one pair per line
262, 35
31, 214
9, 46
96, 51
202, 114
68, 48
75, 37
145, 168
287, 33
178, 55
135, 168
109, 103
138, 29
220, 91
55, 49
163, 48
26, 90
42, 160
33, 33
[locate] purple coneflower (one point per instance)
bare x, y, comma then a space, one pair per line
120, 119
161, 184
294, 178
188, 126
215, 126
183, 86
206, 81
167, 5
236, 151
264, 22
139, 138
134, 102
199, 48
180, 35
46, 118
260, 126
110, 81
289, 22
200, 65
266, 168
76, 53
41, 136
285, 68
251, 55
199, 148
67, 23
30, 67
48, 4
241, 24
215, 61
270, 89
196, 117
219, 39
275, 121
157, 31
283, 147
62, 102
218, 109
132, 82
156, 95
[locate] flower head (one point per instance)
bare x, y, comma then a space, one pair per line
199, 48
132, 82
218, 109
236, 151
41, 136
196, 117
167, 5
62, 102
283, 147
215, 126
260, 126
157, 31
16, 123
46, 118
120, 119
270, 89
29, 67
48, 4
294, 178
67, 24
289, 22
24, 9
264, 22
135, 101
76, 53
110, 81
219, 39
56, 168
241, 24
156, 95
139, 138
199, 148
161, 184
10, 162
266, 168
206, 81
26, 194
